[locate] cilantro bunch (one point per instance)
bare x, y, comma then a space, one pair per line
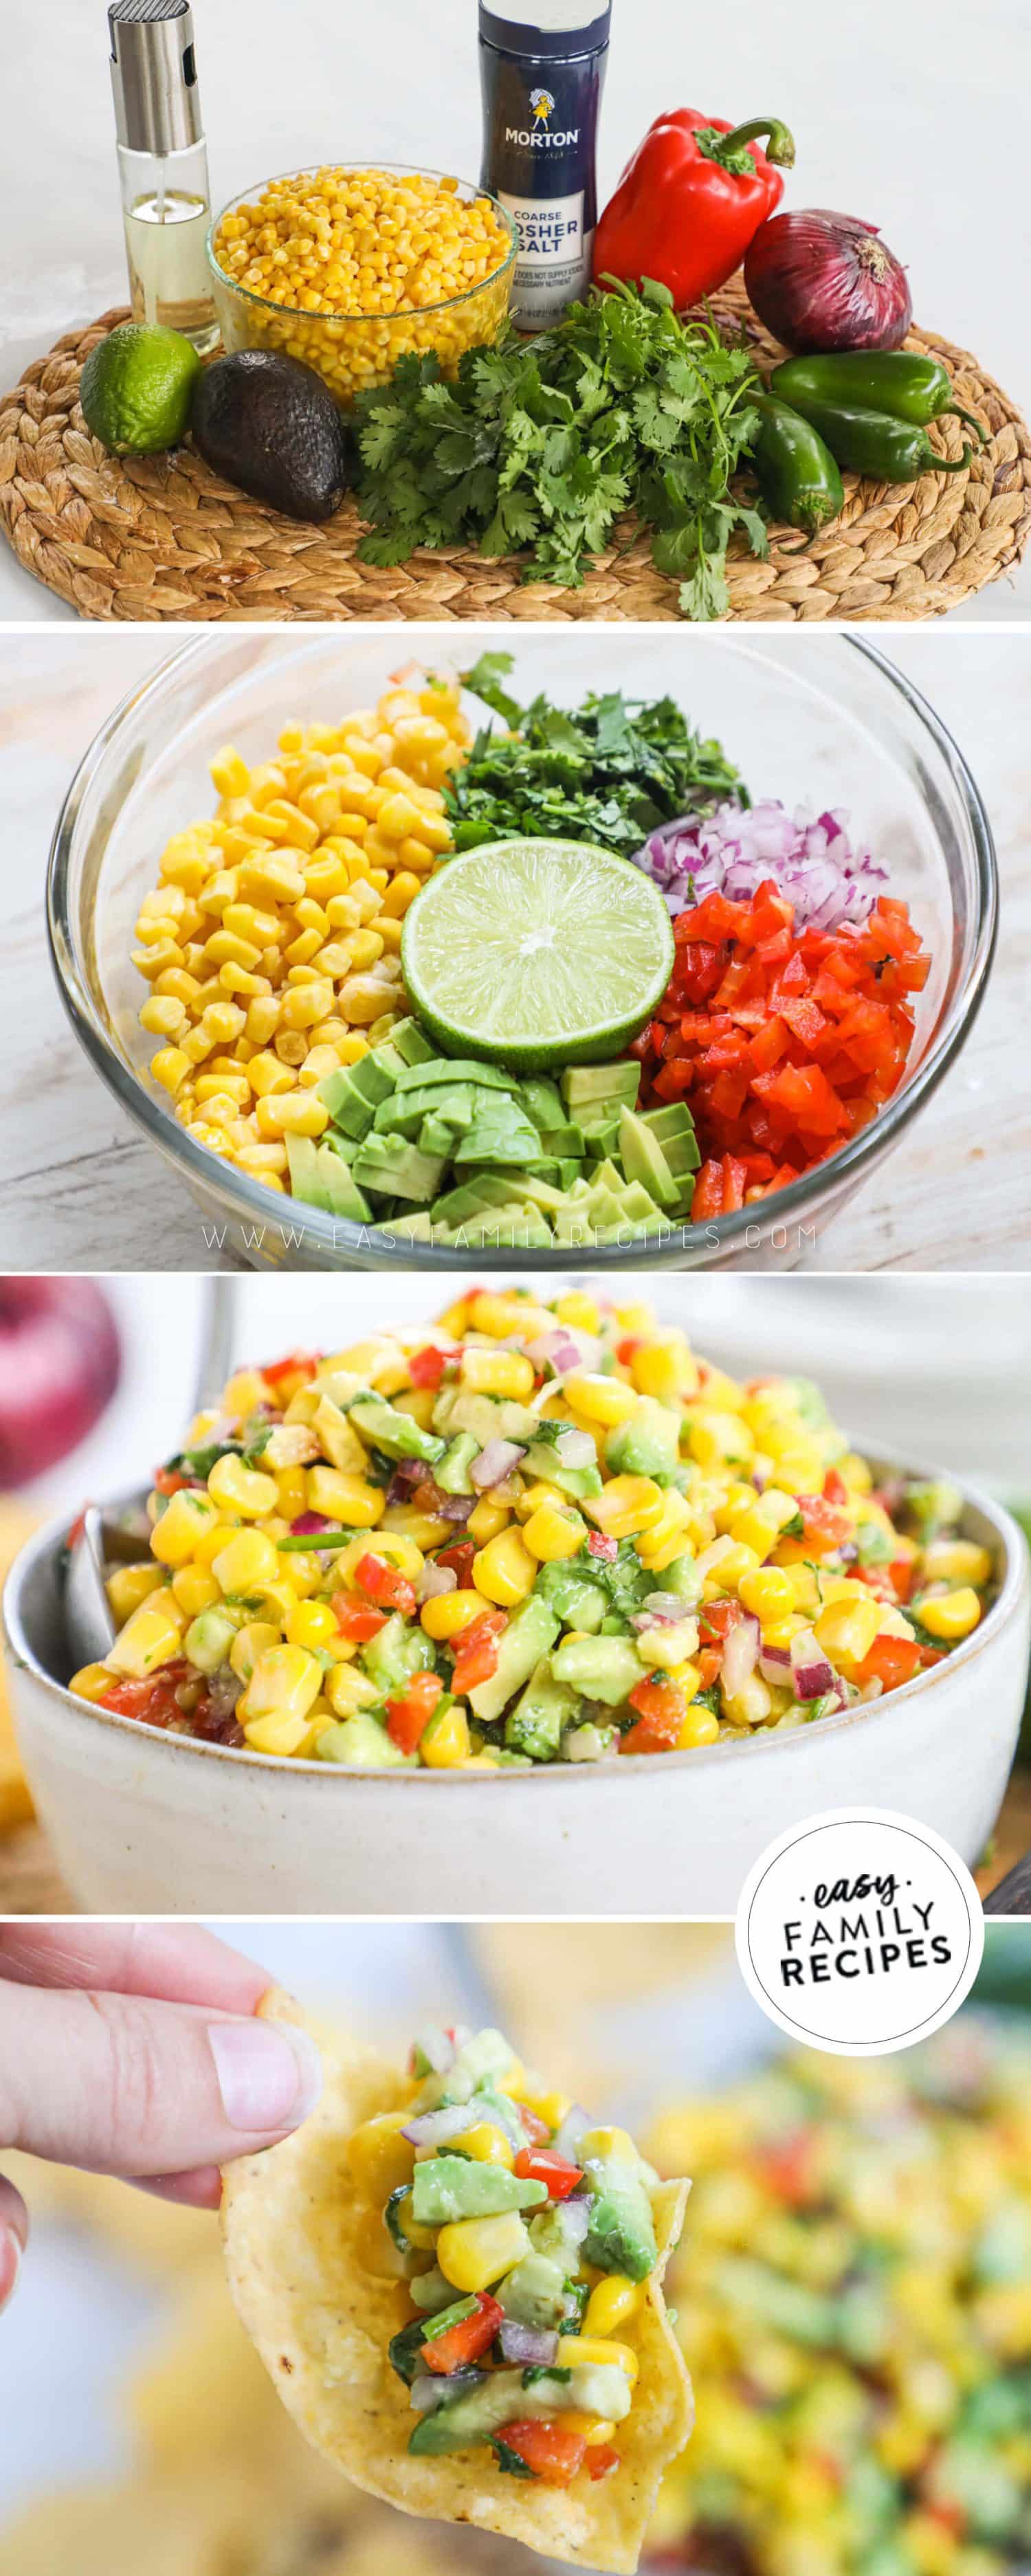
541, 445
608, 771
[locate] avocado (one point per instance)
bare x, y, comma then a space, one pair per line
445, 2188
516, 1227
406, 1110
531, 1632
362, 1740
452, 1474
646, 1443
408, 1229
271, 426
488, 1417
437, 1136
578, 1602
534, 2293
429, 2292
394, 1168
340, 1191
542, 1459
593, 1090
395, 1433
621, 2236
500, 1133
486, 2055
411, 1044
353, 1094
447, 1069
209, 1638
510, 2396
543, 1102
604, 1668
643, 1159
303, 1162
535, 1725
396, 1652
673, 1127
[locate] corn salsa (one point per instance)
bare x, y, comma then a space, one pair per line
526, 1533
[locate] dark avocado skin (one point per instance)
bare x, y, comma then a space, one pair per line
271, 426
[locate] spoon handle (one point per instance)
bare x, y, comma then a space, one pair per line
217, 1337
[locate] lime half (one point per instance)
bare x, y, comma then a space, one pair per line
536, 953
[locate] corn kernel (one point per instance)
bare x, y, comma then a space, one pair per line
577, 2352
449, 1612
247, 1561
487, 2144
378, 2159
956, 1560
150, 1637
174, 1537
612, 2303
473, 2252
500, 1373
626, 1505
551, 1533
504, 1570
486, 1519
285, 1681
606, 1400
128, 1586
949, 1614
194, 1589
767, 1593
241, 1489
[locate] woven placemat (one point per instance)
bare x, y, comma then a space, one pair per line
164, 538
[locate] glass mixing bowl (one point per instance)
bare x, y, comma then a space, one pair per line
352, 351
817, 719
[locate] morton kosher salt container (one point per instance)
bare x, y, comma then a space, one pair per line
542, 66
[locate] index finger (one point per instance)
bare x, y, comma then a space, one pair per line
179, 1964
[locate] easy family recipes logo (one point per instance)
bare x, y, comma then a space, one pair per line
889, 1924
859, 1931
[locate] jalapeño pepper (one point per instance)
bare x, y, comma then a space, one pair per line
794, 469
870, 443
898, 381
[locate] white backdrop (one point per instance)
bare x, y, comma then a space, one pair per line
906, 114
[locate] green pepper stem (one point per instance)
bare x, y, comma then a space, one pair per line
938, 465
781, 146
969, 418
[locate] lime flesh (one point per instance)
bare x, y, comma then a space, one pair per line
536, 953
137, 386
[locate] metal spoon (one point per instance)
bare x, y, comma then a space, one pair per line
89, 1626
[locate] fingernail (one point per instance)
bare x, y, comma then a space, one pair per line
269, 2074
10, 2263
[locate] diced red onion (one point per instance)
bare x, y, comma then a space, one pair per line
533, 2346
569, 2137
454, 1507
307, 1523
494, 1463
734, 849
811, 1673
661, 1610
576, 2216
434, 1580
556, 1351
576, 1449
437, 2046
434, 2128
433, 2388
775, 1666
740, 1653
407, 1473
605, 1548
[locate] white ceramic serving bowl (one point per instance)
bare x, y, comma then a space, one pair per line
141, 1821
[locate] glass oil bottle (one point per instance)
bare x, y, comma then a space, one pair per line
163, 166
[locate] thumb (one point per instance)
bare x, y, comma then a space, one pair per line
14, 2229
124, 2085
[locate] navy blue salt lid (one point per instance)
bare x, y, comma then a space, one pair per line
555, 30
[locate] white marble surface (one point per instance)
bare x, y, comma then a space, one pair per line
902, 113
81, 1190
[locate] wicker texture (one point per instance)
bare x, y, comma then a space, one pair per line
163, 538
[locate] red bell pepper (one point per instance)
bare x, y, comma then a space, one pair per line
537, 2164
548, 2450
426, 1367
358, 1620
466, 2341
689, 202
409, 1714
475, 1651
153, 1702
460, 1560
601, 2460
384, 1585
661, 1710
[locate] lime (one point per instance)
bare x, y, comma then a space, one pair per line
536, 953
137, 386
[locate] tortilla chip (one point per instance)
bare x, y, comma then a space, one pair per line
293, 2230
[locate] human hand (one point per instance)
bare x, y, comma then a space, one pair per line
132, 2049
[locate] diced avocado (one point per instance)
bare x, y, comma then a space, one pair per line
486, 2055
542, 1459
445, 2188
209, 1638
510, 2396
454, 1069
558, 2234
341, 1194
429, 2292
499, 1134
673, 1126
643, 1159
436, 1136
361, 1739
586, 1086
488, 1417
354, 1092
522, 1228
568, 1171
543, 1102
534, 2294
638, 1205
621, 2236
531, 1633
412, 1045
305, 1179
394, 1168
397, 1434
578, 1602
683, 1578
535, 1725
528, 1187
605, 1668
403, 1112
646, 1443
603, 1137
409, 1229
452, 1474
396, 1652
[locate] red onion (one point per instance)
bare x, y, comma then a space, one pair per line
574, 2218
810, 1671
775, 1666
59, 1367
557, 1351
576, 1449
570, 2135
820, 280
605, 1548
494, 1463
307, 1523
434, 2128
435, 1579
741, 1653
433, 2388
438, 2047
534, 2346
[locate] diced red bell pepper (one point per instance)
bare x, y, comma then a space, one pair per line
356, 1619
460, 1560
535, 2128
552, 2453
466, 2341
709, 1660
661, 1707
890, 1661
426, 1367
605, 1548
708, 1193
717, 1618
409, 1714
384, 1584
788, 2169
601, 2460
537, 2164
901, 1575
475, 1651
823, 1528
167, 1480
153, 1701
302, 1364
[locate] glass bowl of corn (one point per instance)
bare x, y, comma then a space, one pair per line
350, 267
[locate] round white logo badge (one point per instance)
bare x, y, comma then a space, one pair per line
859, 1932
